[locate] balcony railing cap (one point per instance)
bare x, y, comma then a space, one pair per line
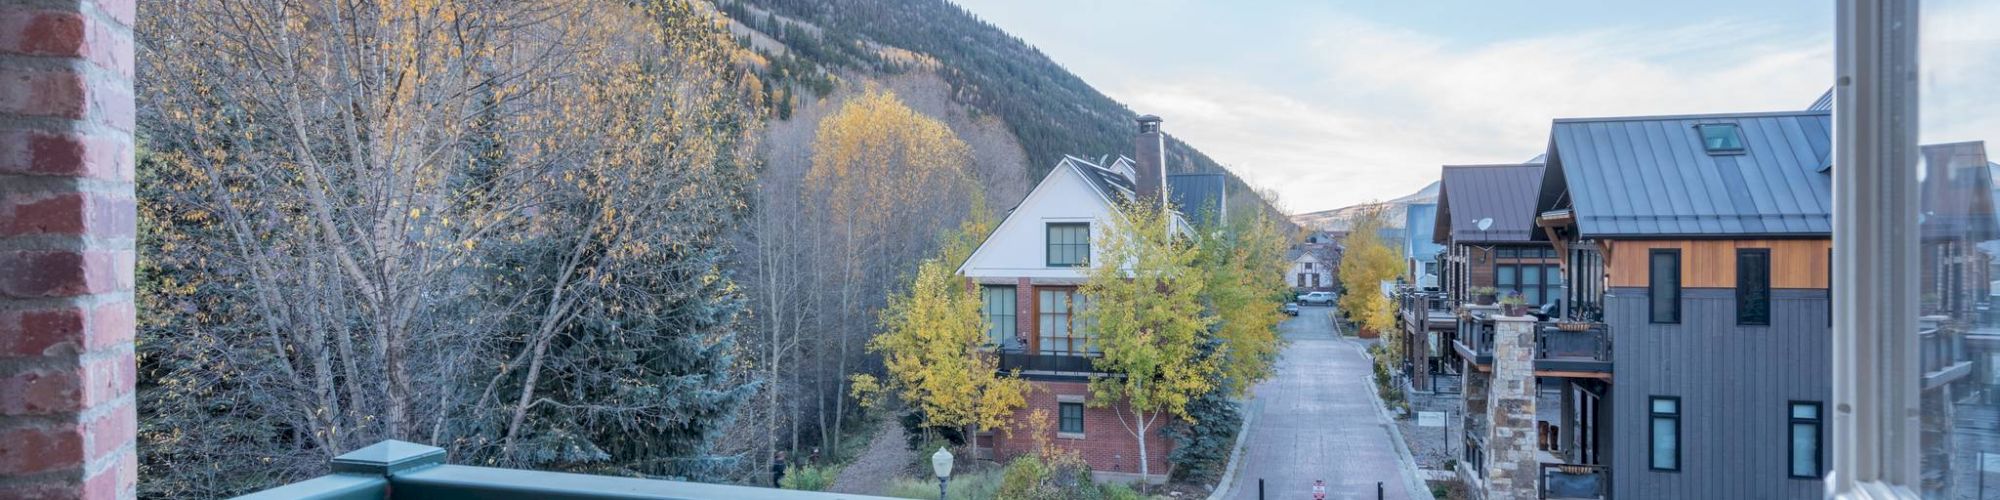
388, 458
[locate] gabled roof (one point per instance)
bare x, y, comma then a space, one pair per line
1474, 193
1108, 179
1639, 177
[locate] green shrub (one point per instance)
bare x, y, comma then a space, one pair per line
976, 486
1023, 478
809, 478
1060, 478
1115, 491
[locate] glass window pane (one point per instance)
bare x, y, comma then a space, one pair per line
1664, 286
1666, 442
1666, 406
1721, 137
1958, 143
1503, 276
1072, 418
1753, 287
1805, 411
1805, 450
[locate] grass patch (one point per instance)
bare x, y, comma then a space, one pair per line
976, 486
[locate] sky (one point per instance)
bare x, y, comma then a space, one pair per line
1332, 103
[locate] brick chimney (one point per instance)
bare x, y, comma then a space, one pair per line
1150, 150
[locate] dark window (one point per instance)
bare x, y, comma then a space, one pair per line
1806, 439
1062, 331
1664, 286
1666, 433
1510, 253
1538, 284
1309, 265
1072, 418
999, 312
1069, 244
1721, 137
1753, 286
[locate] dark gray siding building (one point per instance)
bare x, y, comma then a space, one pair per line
1735, 384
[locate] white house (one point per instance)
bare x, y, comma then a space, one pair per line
1028, 271
1312, 268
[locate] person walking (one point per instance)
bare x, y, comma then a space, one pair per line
778, 470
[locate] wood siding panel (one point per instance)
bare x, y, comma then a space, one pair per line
1712, 263
1478, 267
1734, 383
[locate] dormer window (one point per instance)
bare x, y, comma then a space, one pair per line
1720, 138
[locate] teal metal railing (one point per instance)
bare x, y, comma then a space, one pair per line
396, 469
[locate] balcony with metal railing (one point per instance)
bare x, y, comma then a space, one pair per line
1047, 365
1425, 310
1575, 481
1941, 353
1562, 348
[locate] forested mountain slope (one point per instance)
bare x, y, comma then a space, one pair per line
1050, 110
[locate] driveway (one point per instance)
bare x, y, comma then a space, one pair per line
1315, 419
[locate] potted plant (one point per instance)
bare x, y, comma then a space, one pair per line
1515, 304
1483, 295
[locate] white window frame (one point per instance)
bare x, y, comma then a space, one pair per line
1875, 420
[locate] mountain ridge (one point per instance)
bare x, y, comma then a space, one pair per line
1050, 111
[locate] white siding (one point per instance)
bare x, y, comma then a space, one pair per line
1019, 247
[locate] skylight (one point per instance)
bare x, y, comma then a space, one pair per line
1720, 138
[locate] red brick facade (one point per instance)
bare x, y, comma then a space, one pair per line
1106, 444
67, 222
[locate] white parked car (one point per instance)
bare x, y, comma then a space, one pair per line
1317, 298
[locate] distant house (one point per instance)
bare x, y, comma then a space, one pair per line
1311, 270
1486, 224
1420, 254
1482, 239
1028, 271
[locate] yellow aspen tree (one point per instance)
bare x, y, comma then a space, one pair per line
1144, 313
1366, 262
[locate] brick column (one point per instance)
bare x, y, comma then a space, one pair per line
1512, 470
67, 218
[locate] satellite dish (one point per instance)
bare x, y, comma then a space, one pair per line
1485, 223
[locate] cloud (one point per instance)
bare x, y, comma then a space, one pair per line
1958, 45
1376, 110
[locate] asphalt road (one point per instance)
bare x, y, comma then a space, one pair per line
1315, 420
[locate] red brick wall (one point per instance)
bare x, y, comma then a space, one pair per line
1107, 446
67, 215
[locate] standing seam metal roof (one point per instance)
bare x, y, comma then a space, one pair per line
1650, 176
1199, 196
1504, 193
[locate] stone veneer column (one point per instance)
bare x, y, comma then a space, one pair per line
67, 225
1512, 469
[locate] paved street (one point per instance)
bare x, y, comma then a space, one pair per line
1316, 420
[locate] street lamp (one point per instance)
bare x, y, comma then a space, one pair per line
941, 463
